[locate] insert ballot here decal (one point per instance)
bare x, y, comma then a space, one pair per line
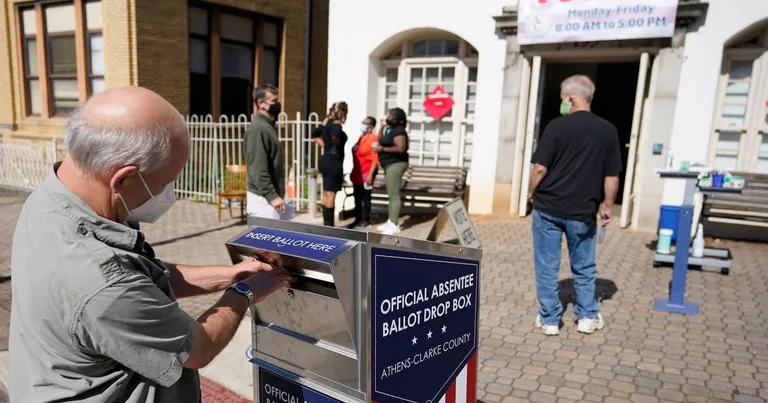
424, 313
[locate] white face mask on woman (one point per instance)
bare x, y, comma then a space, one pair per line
151, 210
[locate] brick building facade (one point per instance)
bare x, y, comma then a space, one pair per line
203, 56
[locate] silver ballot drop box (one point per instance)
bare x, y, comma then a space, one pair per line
370, 318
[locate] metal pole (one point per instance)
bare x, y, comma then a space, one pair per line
676, 302
54, 150
312, 193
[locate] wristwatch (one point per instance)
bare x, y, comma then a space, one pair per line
243, 289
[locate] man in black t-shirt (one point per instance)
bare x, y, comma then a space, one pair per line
575, 176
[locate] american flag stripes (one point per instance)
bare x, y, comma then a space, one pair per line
463, 389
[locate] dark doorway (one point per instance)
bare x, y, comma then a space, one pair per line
614, 99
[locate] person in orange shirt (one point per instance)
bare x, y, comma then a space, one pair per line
365, 162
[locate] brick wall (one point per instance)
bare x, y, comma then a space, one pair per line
6, 83
318, 83
146, 43
120, 40
162, 49
293, 14
163, 53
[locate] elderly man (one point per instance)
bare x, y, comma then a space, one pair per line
94, 315
575, 173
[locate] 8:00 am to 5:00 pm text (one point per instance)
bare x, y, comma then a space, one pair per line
606, 25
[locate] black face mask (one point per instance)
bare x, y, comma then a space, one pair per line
391, 122
275, 109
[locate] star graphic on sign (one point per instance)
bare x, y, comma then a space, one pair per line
444, 328
414, 341
429, 334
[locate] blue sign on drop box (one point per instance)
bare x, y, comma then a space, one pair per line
424, 316
277, 389
308, 246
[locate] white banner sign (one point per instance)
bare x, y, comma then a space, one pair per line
556, 21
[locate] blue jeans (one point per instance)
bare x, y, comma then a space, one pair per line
547, 237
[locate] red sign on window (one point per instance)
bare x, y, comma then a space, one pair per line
438, 103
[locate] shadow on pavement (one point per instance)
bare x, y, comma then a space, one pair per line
196, 234
604, 289
414, 220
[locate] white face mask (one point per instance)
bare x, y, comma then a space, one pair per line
151, 210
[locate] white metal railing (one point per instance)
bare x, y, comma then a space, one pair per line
24, 165
217, 144
214, 145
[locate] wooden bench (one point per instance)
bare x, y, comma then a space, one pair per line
425, 189
739, 216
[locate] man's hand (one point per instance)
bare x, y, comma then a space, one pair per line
264, 282
606, 215
217, 326
279, 204
249, 267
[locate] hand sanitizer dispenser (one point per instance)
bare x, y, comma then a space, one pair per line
698, 242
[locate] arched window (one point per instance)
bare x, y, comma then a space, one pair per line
409, 73
740, 137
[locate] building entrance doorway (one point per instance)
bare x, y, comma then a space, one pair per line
621, 94
614, 98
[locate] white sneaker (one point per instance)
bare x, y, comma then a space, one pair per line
549, 330
589, 326
387, 227
392, 230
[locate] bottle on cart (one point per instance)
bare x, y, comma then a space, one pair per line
670, 159
698, 242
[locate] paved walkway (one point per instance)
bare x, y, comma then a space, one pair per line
641, 356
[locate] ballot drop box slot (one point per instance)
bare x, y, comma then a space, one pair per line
370, 317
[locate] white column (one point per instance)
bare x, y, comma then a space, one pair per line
533, 101
522, 109
627, 197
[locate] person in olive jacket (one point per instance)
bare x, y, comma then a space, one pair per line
264, 157
393, 157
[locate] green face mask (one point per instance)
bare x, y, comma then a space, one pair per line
565, 107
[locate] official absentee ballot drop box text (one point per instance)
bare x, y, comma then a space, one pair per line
370, 318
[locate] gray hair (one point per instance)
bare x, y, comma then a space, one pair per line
260, 92
578, 85
101, 149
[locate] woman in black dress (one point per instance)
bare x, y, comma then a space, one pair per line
332, 139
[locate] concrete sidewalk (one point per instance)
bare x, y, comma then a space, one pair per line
642, 355
231, 368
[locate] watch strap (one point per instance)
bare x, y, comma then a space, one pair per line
248, 294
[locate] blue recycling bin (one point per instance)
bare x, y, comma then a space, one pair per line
668, 217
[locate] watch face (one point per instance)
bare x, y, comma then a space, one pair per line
242, 287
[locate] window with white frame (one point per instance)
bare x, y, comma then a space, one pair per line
740, 138
62, 54
410, 73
